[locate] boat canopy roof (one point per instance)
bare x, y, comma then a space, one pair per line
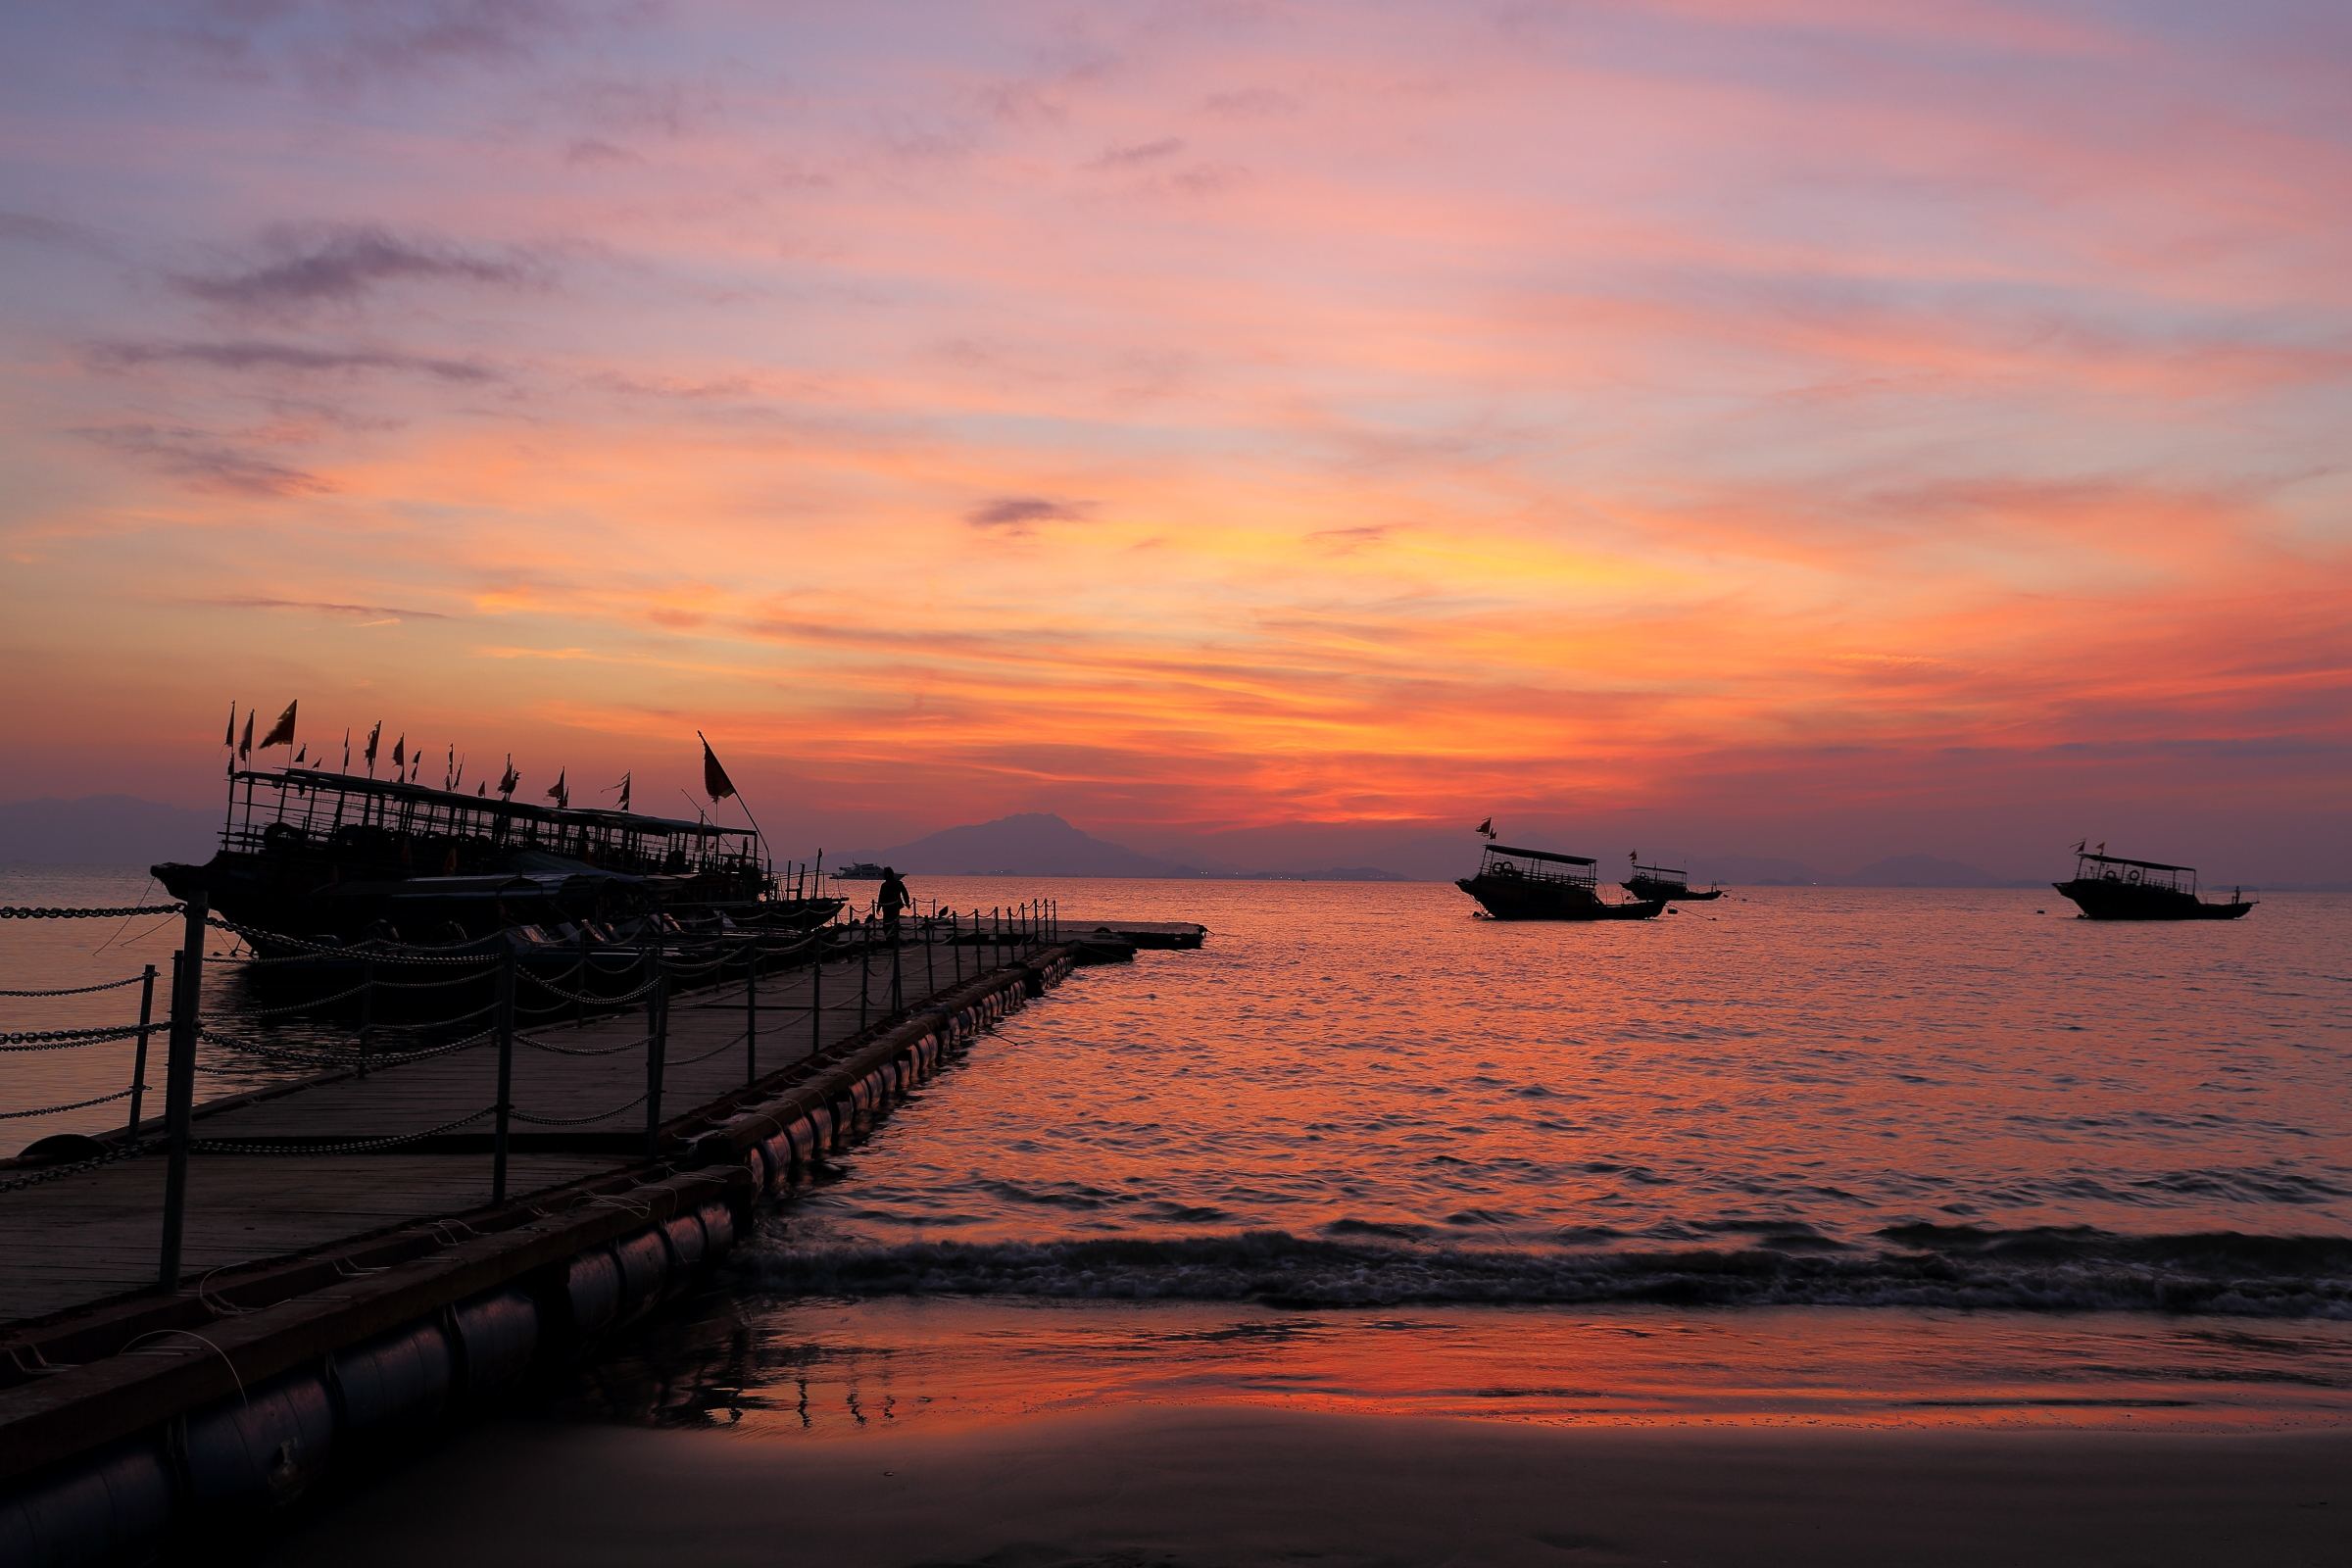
1541, 854
2144, 866
297, 778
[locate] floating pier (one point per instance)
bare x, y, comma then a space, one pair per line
206, 1312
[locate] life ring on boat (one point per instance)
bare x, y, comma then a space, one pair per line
2132, 875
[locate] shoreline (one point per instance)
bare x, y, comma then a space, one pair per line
1134, 1486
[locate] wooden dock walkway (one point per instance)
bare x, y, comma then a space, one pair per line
256, 1189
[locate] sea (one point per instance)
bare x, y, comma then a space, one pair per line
1807, 1155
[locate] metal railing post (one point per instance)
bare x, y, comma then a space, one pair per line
865, 956
138, 1061
656, 1047
367, 1009
898, 993
930, 936
180, 1088
816, 996
750, 1011
506, 1076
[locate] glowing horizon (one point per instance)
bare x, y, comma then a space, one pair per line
1773, 421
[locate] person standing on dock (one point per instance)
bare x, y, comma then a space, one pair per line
892, 900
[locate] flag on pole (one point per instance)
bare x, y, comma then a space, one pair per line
457, 780
281, 733
510, 779
245, 746
483, 788
715, 782
373, 735
301, 753
449, 768
557, 792
623, 788
346, 749
1487, 827
229, 740
400, 757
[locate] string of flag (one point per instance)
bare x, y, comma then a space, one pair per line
406, 765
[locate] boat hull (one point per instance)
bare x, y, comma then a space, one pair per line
2111, 899
1647, 888
1532, 898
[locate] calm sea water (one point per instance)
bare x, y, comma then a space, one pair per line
1364, 1149
1359, 1094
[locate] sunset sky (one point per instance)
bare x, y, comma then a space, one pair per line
1810, 427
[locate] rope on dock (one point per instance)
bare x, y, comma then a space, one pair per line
79, 1105
467, 978
688, 1061
385, 952
117, 912
50, 1174
67, 1039
357, 1146
638, 1044
79, 990
576, 1121
583, 998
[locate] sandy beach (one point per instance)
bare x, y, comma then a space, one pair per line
1221, 1485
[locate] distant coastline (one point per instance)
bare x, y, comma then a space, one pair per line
128, 831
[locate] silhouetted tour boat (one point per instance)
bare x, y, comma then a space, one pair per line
1514, 884
860, 871
327, 857
2108, 887
1664, 883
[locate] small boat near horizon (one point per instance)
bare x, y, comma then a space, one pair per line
860, 871
1664, 882
2109, 887
1521, 884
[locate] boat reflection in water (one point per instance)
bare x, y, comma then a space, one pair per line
1515, 884
2108, 887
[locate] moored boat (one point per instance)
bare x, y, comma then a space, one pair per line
1518, 884
2109, 887
1665, 883
327, 857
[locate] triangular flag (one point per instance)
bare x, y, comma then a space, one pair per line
281, 733
623, 788
510, 779
229, 740
245, 746
715, 782
557, 793
400, 756
373, 736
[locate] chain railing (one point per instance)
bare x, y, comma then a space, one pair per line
876, 943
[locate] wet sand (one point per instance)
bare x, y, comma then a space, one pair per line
1229, 1485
